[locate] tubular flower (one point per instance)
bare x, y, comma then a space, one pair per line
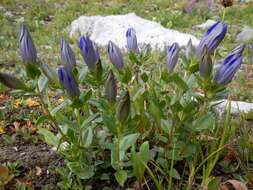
225, 73
111, 87
172, 57
89, 51
205, 66
68, 82
67, 55
132, 40
11, 81
26, 46
123, 108
212, 38
238, 50
115, 55
250, 46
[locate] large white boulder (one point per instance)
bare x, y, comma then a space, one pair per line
101, 29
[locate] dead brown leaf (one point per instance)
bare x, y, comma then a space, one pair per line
3, 170
38, 171
236, 184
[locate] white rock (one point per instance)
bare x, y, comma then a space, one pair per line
206, 24
104, 28
237, 107
245, 35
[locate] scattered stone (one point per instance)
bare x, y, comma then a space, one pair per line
20, 20
237, 107
206, 24
104, 28
245, 35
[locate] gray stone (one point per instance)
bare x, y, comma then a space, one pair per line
104, 28
206, 24
245, 35
237, 107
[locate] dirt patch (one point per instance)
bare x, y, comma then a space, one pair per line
35, 159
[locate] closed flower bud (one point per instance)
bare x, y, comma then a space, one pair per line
111, 87
67, 55
68, 82
212, 38
226, 71
172, 57
132, 40
189, 49
205, 66
123, 108
50, 73
115, 55
89, 51
145, 49
238, 50
11, 81
26, 46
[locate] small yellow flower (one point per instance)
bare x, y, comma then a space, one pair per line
32, 103
2, 129
17, 103
59, 101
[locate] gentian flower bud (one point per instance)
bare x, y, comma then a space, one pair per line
68, 82
145, 49
132, 40
26, 46
50, 73
189, 49
172, 57
225, 73
111, 87
67, 55
123, 108
89, 51
115, 55
205, 66
212, 38
12, 82
238, 50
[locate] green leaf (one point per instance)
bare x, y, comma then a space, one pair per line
82, 171
83, 73
128, 141
179, 82
214, 184
144, 152
87, 137
138, 165
110, 124
121, 177
144, 77
42, 83
50, 138
127, 75
206, 121
59, 107
32, 71
175, 174
42, 119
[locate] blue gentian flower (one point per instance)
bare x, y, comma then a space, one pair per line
226, 71
212, 38
89, 51
115, 55
67, 55
172, 56
26, 46
250, 46
68, 82
132, 40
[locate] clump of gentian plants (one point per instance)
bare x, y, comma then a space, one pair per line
132, 119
